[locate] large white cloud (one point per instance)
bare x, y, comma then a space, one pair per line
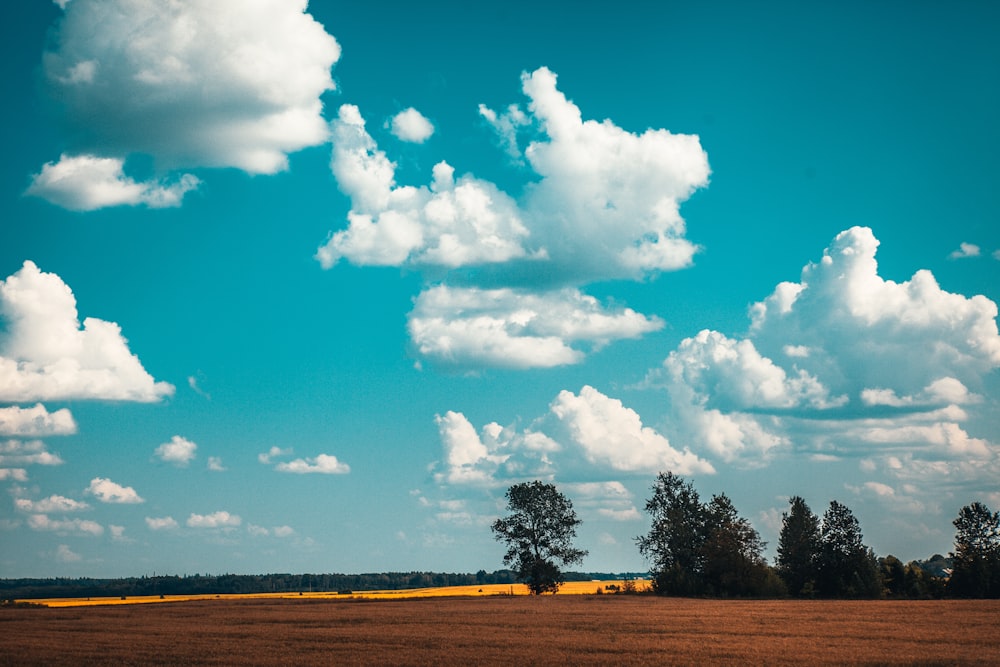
46, 355
610, 434
35, 421
449, 223
605, 206
843, 363
517, 328
191, 83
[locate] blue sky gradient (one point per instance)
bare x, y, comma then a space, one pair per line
754, 245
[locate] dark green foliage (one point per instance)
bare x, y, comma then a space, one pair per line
539, 534
845, 566
702, 549
674, 543
976, 559
798, 547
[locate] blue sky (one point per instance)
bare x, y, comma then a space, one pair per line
305, 289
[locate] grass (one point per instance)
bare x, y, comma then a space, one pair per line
495, 629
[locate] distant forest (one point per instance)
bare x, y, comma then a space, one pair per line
205, 584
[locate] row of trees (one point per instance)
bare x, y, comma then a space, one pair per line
707, 548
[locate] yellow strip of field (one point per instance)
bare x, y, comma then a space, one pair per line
569, 588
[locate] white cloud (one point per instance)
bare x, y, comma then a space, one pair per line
283, 531
33, 452
89, 182
217, 84
215, 464
118, 534
36, 421
179, 451
274, 452
45, 355
54, 503
161, 523
449, 223
610, 434
964, 251
109, 492
517, 328
411, 125
609, 500
506, 124
66, 555
325, 464
842, 363
13, 475
219, 519
41, 522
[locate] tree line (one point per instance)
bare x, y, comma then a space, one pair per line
697, 548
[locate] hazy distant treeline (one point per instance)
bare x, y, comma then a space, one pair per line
204, 584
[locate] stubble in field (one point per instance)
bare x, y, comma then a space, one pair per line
578, 630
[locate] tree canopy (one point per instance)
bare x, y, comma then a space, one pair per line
539, 534
976, 559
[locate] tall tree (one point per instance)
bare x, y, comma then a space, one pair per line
733, 558
539, 534
798, 548
674, 544
976, 559
845, 566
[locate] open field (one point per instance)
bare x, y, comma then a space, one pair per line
486, 630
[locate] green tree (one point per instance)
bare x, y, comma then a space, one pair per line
674, 544
976, 559
798, 548
845, 566
539, 534
732, 554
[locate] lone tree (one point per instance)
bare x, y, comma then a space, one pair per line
675, 540
539, 534
798, 548
976, 559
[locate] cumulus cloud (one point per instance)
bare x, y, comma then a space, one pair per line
24, 453
274, 452
13, 475
220, 519
610, 434
42, 522
194, 84
450, 223
215, 464
54, 503
842, 362
109, 492
179, 451
517, 328
35, 421
324, 464
411, 125
89, 182
161, 523
45, 355
610, 500
506, 124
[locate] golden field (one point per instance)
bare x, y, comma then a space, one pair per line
505, 630
569, 588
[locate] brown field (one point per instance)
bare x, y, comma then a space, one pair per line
487, 630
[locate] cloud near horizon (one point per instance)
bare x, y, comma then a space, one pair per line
846, 364
46, 355
192, 84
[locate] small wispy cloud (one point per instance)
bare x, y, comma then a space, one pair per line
965, 250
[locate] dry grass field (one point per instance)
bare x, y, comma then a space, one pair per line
492, 630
